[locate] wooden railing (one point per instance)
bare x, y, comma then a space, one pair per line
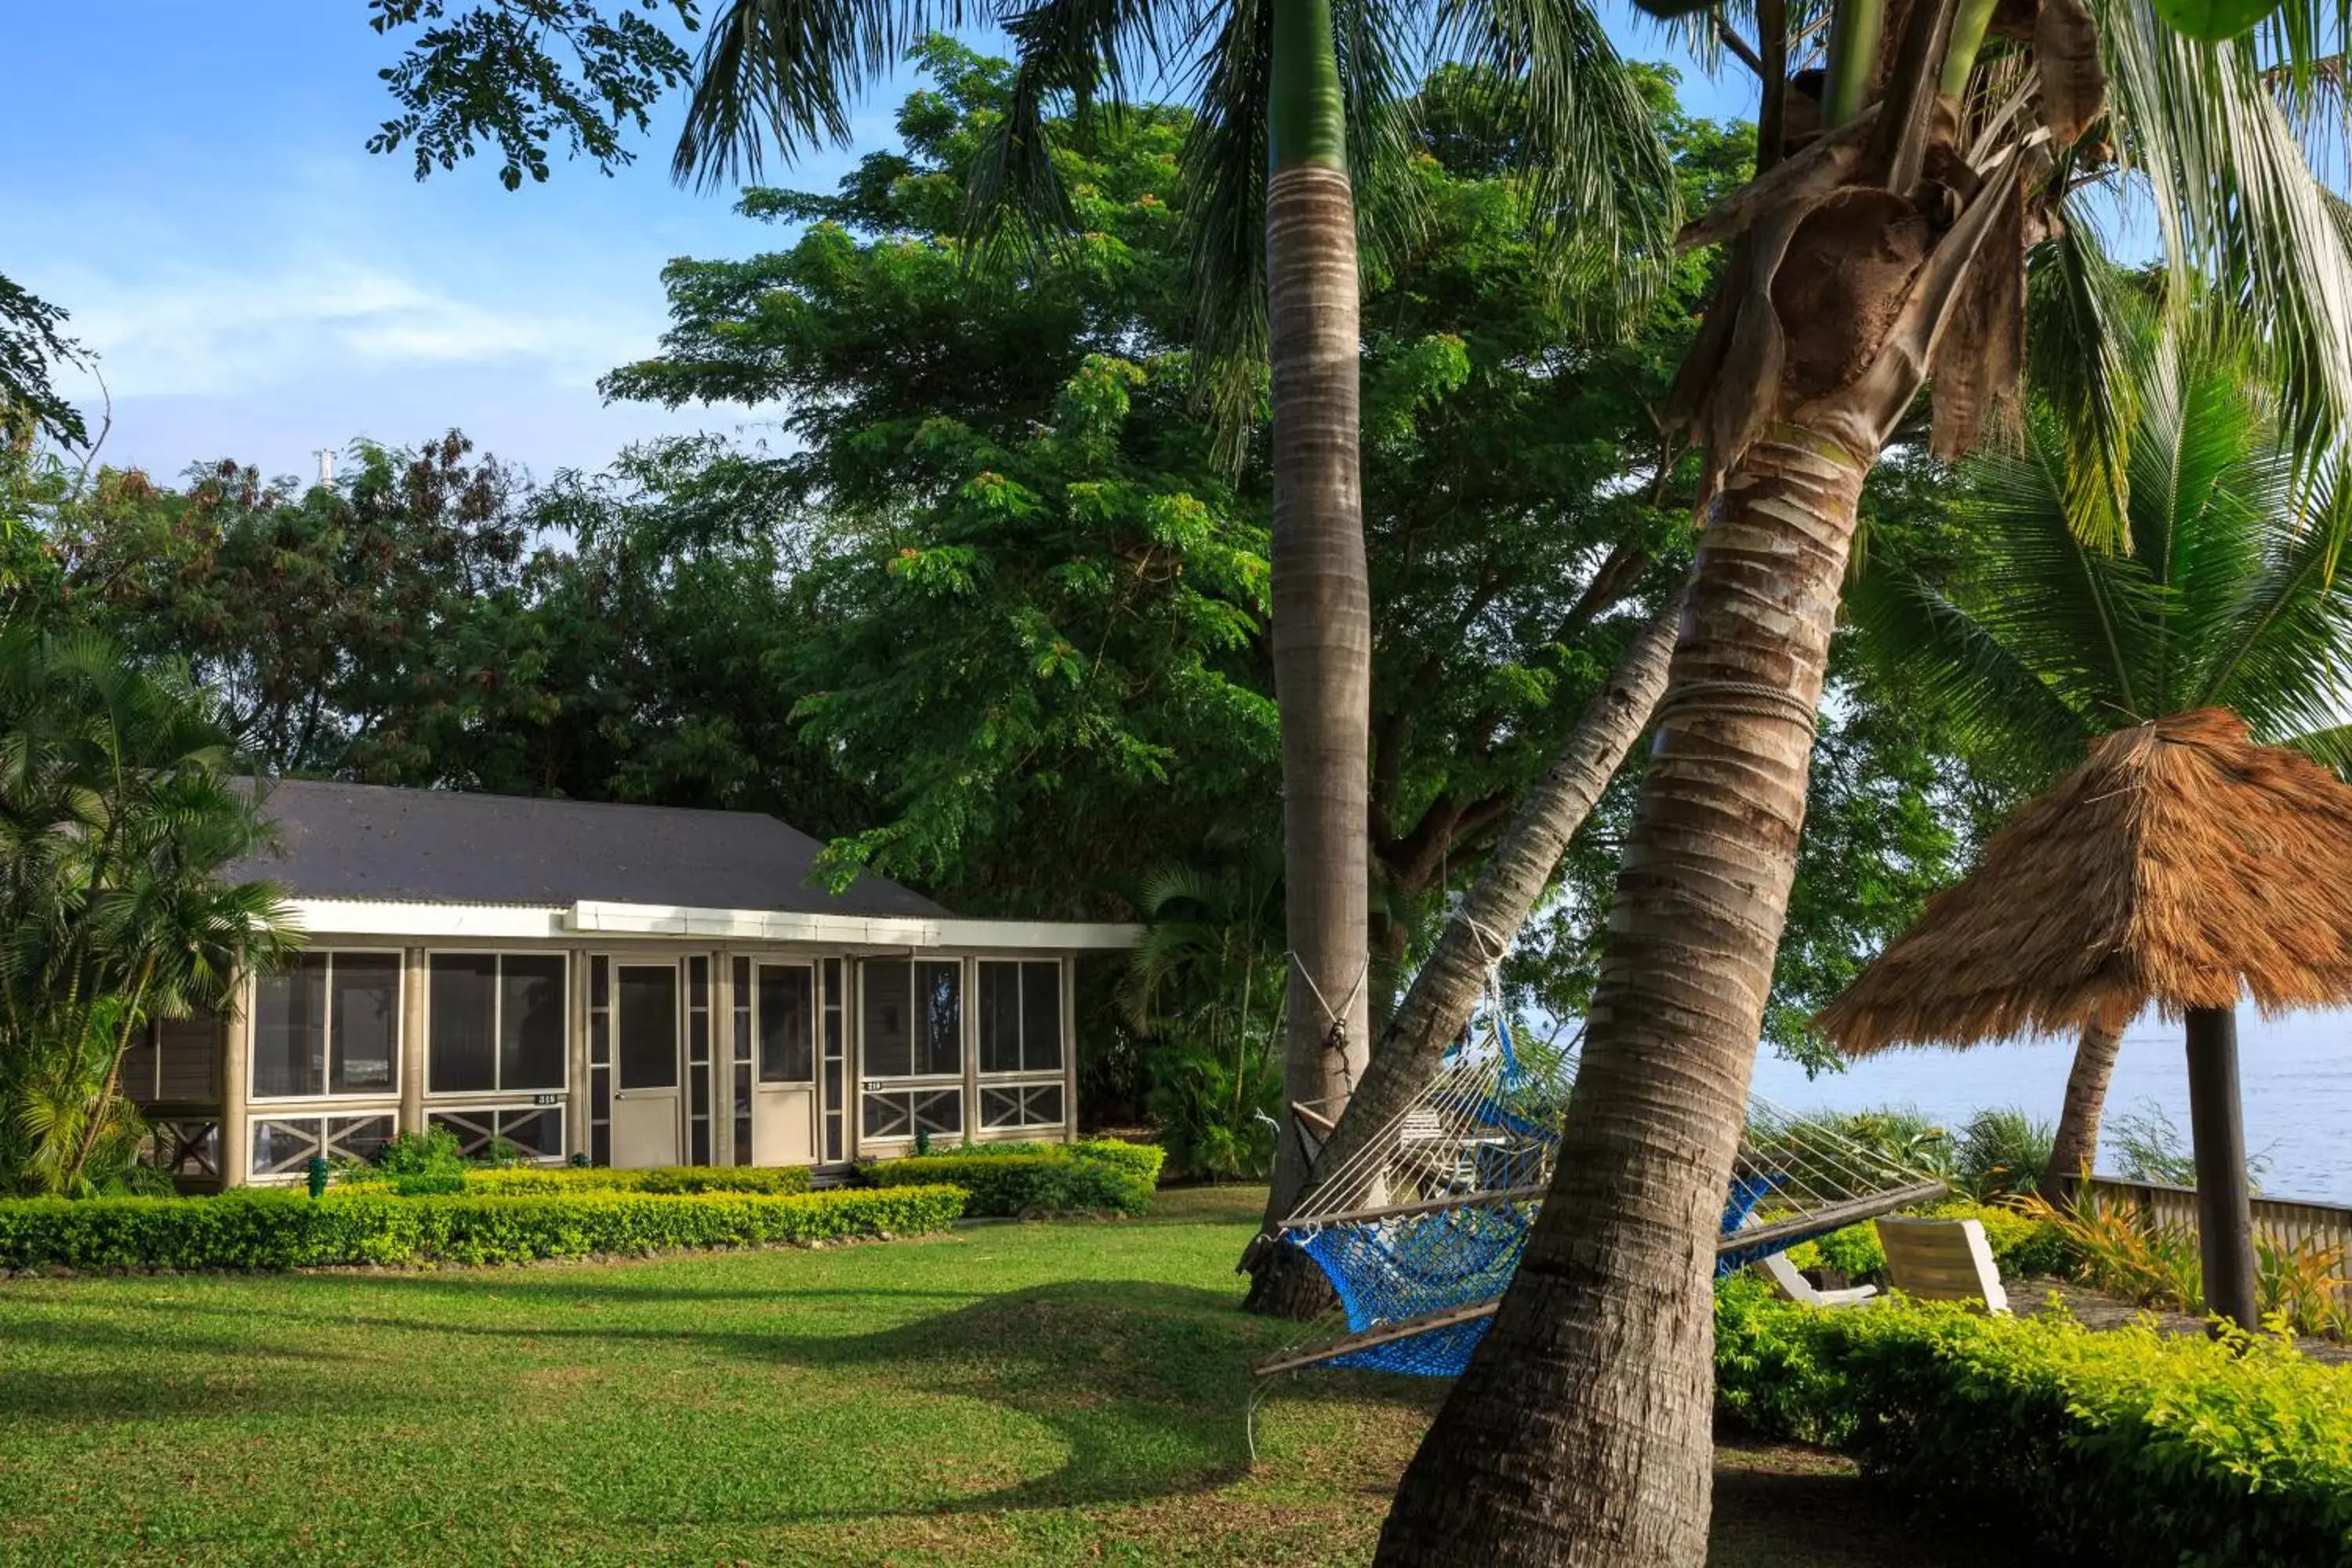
2287, 1220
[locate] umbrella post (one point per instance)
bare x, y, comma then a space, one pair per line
2225, 1216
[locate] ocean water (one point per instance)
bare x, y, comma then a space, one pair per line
2296, 1078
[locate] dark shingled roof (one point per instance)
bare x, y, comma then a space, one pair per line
365, 841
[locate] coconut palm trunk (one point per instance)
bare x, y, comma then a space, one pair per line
1322, 631
1613, 1309
1446, 989
2076, 1143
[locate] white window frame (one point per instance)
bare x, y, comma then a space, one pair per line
322, 1140
866, 1083
497, 1113
1054, 1074
252, 1026
498, 1018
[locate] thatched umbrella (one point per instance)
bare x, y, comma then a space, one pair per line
2182, 865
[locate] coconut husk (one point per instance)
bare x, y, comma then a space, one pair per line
2181, 865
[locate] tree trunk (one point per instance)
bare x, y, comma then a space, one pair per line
1445, 991
1322, 632
1581, 1433
2075, 1146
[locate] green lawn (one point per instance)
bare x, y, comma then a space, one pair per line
1061, 1393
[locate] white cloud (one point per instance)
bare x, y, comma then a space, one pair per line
179, 330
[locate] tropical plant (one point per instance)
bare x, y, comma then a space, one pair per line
1206, 991
2151, 1147
118, 813
2001, 1151
2037, 639
1882, 243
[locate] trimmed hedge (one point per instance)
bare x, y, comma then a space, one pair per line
2020, 1246
281, 1230
667, 1179
1008, 1180
2120, 1448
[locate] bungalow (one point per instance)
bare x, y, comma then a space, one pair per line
640, 985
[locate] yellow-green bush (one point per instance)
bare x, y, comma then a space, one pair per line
671, 1179
2121, 1447
1008, 1179
276, 1228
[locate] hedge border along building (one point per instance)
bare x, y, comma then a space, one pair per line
642, 985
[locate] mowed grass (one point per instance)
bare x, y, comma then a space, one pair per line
1008, 1394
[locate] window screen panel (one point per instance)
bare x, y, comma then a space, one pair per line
939, 995
999, 1018
189, 1051
461, 1000
887, 1032
531, 1032
536, 1134
137, 1074
366, 1020
289, 1030
1041, 1018
648, 1026
787, 1023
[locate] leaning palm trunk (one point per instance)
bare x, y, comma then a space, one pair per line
1322, 630
1580, 1434
2076, 1142
1613, 1309
1446, 990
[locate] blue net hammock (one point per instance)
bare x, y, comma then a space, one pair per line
1421, 1242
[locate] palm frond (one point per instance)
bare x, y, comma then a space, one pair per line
2236, 199
787, 71
2088, 335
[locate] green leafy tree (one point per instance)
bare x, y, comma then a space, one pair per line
119, 809
2039, 641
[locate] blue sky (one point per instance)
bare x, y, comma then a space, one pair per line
191, 183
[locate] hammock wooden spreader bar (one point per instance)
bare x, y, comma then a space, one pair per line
1820, 1222
1386, 1333
1836, 1217
1503, 1199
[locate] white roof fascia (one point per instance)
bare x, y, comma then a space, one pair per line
369, 917
849, 930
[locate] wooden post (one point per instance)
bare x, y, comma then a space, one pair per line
413, 1003
2225, 1216
237, 1071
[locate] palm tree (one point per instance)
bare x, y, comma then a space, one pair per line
118, 811
1882, 243
2228, 596
1302, 108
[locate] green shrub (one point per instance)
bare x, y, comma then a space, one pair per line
2122, 1447
671, 1179
410, 1155
276, 1228
1003, 1185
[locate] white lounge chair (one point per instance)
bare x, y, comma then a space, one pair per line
1942, 1260
1797, 1288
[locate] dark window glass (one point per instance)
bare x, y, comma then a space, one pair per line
939, 1111
787, 1024
531, 1022
600, 1096
939, 994
289, 1030
366, 988
600, 1146
472, 1129
888, 1035
137, 1073
1043, 1105
886, 1116
190, 1052
461, 1005
538, 1134
357, 1137
281, 1145
649, 1025
1041, 1018
1000, 1017
744, 1115
600, 982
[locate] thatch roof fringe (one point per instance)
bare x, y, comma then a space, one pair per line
2181, 863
